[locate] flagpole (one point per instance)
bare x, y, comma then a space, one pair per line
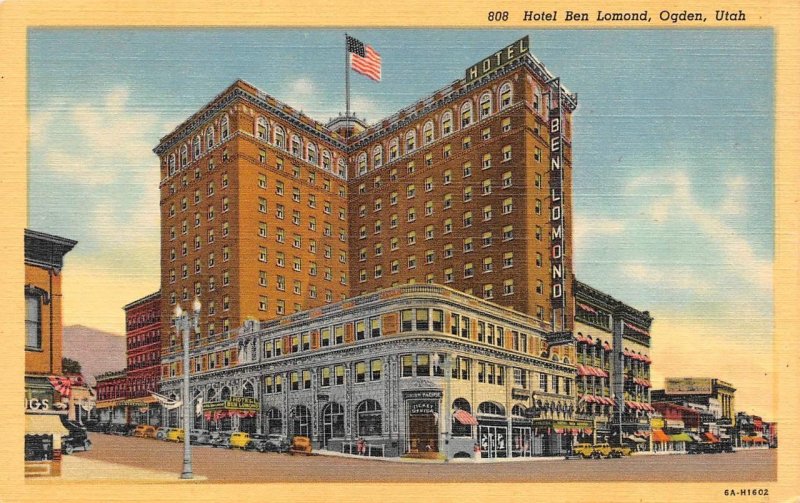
347, 86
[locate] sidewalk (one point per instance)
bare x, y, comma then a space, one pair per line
76, 468
468, 461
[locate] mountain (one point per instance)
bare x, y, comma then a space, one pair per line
97, 351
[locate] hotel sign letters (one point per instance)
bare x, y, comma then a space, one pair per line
498, 59
556, 206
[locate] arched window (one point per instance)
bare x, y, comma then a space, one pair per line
280, 137
225, 394
301, 421
427, 133
312, 153
297, 146
274, 422
505, 95
362, 163
459, 428
224, 127
196, 147
262, 129
466, 114
326, 160
491, 408
377, 156
342, 168
171, 164
333, 421
411, 141
247, 390
537, 98
210, 138
184, 156
486, 104
210, 394
518, 411
394, 149
447, 123
369, 418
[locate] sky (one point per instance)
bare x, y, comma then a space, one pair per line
673, 160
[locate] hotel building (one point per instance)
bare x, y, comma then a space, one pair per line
457, 207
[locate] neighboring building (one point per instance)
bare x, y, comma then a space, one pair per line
609, 331
143, 334
417, 370
46, 389
112, 391
713, 393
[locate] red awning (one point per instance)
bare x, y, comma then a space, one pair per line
586, 308
711, 437
636, 329
465, 418
588, 398
660, 436
587, 431
606, 346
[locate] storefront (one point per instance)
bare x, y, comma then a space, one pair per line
422, 420
43, 434
219, 415
554, 437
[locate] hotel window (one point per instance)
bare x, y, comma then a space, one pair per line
448, 275
423, 365
411, 141
543, 382
539, 287
361, 372
537, 154
375, 367
375, 327
467, 166
225, 228
427, 132
448, 201
412, 261
467, 193
410, 191
338, 372
428, 184
506, 124
326, 165
377, 205
429, 232
448, 177
197, 195
393, 244
487, 239
312, 158
325, 337
428, 208
487, 264
429, 256
280, 235
486, 133
411, 214
508, 232
466, 142
172, 233
294, 380
468, 245
466, 114
447, 123
537, 207
305, 341
508, 287
296, 217
184, 204
297, 264
446, 150
487, 187
467, 219
196, 265
469, 270
537, 180
488, 291
429, 278
540, 312
538, 259
361, 330
487, 213
297, 288
394, 267
362, 164
448, 250
411, 238
505, 96
278, 188
448, 226
506, 153
197, 239
487, 161
481, 372
295, 194
508, 259
507, 179
486, 105
406, 366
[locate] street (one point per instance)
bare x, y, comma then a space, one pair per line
224, 465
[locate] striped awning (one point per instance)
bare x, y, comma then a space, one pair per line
465, 418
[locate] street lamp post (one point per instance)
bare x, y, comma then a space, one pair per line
185, 321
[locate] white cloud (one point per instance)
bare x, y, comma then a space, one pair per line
666, 278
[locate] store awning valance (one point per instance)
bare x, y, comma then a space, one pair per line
711, 437
660, 436
680, 437
465, 418
44, 424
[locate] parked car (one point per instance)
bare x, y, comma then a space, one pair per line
300, 445
703, 448
725, 447
602, 450
175, 435
200, 437
619, 451
258, 442
95, 426
145, 431
220, 439
583, 450
77, 438
161, 433
277, 443
239, 440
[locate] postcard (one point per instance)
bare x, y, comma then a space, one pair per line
332, 252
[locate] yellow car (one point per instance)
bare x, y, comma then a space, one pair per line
145, 431
175, 435
583, 450
602, 451
239, 439
300, 445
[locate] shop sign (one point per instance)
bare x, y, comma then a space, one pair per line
242, 403
557, 245
37, 404
657, 423
673, 423
409, 395
426, 407
498, 60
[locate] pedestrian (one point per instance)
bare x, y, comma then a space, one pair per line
361, 447
476, 449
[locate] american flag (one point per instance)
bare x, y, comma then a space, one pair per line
61, 384
364, 59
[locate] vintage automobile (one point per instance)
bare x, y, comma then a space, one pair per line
174, 435
239, 440
619, 451
200, 437
258, 442
161, 433
77, 438
583, 450
300, 445
145, 431
601, 451
277, 443
220, 439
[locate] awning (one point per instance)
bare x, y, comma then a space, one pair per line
634, 438
586, 308
606, 346
680, 437
695, 437
465, 418
636, 329
711, 437
44, 424
582, 370
660, 436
